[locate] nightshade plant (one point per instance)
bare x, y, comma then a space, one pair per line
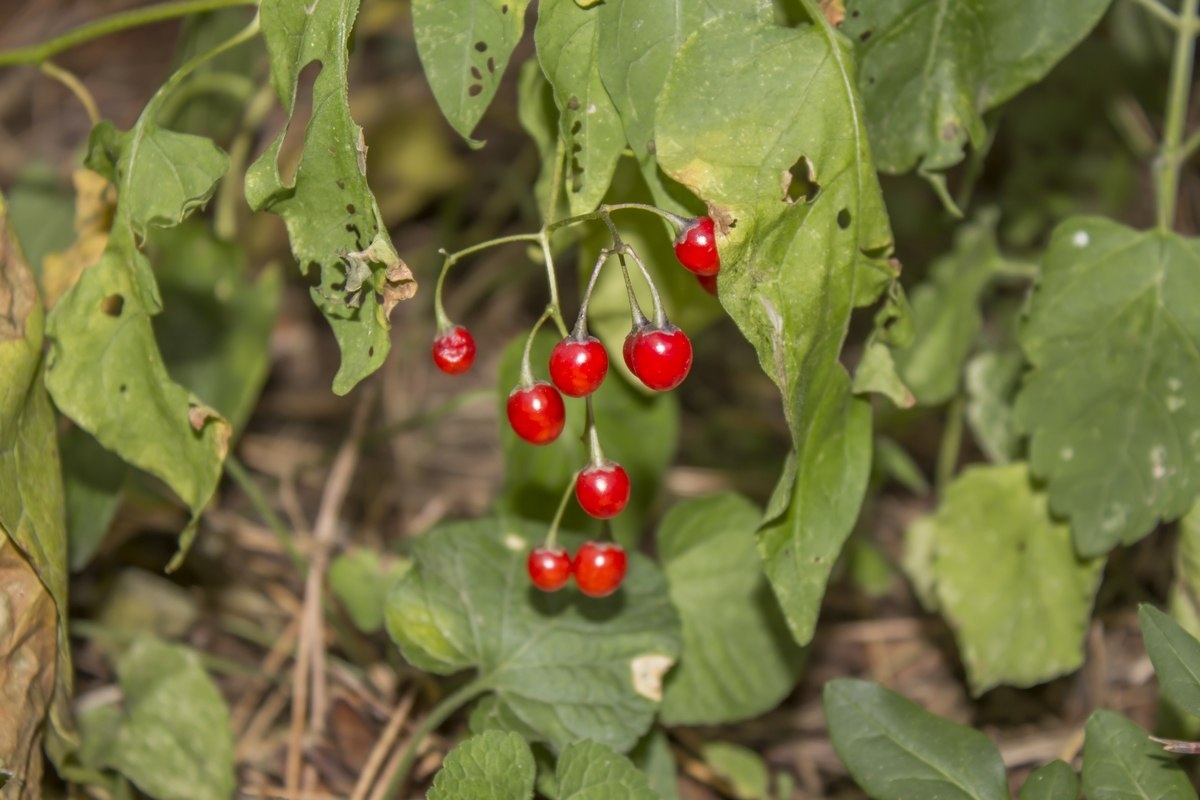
744, 139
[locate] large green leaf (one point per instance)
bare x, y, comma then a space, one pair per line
738, 658
1054, 781
539, 117
1113, 334
331, 216
495, 765
464, 47
1120, 762
35, 655
562, 666
1009, 580
173, 738
931, 68
567, 38
897, 751
105, 370
792, 270
1175, 654
640, 432
591, 771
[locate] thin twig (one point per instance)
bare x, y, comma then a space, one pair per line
387, 741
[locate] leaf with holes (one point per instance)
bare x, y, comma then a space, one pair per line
1120, 761
1054, 781
567, 39
1009, 581
331, 216
793, 269
896, 750
931, 68
464, 47
738, 659
1113, 334
494, 765
467, 604
105, 370
1175, 654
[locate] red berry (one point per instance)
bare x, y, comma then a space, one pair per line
696, 247
578, 367
549, 568
454, 350
627, 348
708, 283
603, 491
660, 357
537, 414
599, 568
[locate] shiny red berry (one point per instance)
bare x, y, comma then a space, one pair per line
661, 357
603, 491
627, 348
578, 367
696, 247
708, 283
599, 568
549, 568
454, 350
537, 414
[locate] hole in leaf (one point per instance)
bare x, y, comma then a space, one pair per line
112, 305
121, 388
341, 184
474, 90
350, 209
854, 13
800, 182
476, 74
293, 140
503, 9
481, 47
862, 37
576, 128
573, 103
491, 64
371, 351
843, 219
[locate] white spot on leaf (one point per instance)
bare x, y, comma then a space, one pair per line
1158, 457
1067, 453
514, 542
1174, 403
1081, 239
648, 671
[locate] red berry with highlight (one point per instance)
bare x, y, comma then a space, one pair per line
696, 247
454, 350
549, 568
603, 491
661, 357
578, 366
599, 568
627, 348
537, 414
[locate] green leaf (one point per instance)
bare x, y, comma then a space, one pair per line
592, 771
361, 582
42, 213
1175, 654
539, 118
564, 666
946, 314
640, 432
331, 216
931, 69
1009, 580
567, 39
792, 270
653, 756
743, 768
216, 338
877, 374
1113, 335
491, 766
991, 379
738, 659
94, 485
174, 740
1054, 781
1120, 761
464, 47
896, 750
31, 517
920, 543
1182, 603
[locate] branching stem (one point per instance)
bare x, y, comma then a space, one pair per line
1173, 152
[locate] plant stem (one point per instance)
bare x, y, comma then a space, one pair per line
552, 536
68, 79
37, 53
230, 195
580, 329
240, 476
439, 714
951, 444
526, 371
595, 454
1170, 157
1157, 9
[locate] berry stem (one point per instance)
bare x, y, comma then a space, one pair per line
526, 371
552, 536
595, 454
580, 332
635, 308
678, 222
660, 313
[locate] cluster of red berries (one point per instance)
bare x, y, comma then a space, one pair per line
657, 353
598, 568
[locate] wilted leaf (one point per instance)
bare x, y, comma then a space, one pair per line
738, 659
562, 666
493, 765
1009, 580
931, 69
95, 202
331, 216
793, 268
1055, 781
1120, 762
897, 751
1112, 333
